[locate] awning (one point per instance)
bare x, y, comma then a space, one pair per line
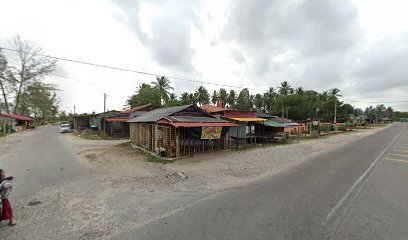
203, 124
289, 125
248, 119
273, 124
18, 117
117, 119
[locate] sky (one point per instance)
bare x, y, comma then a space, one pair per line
358, 46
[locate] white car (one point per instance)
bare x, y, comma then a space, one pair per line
65, 128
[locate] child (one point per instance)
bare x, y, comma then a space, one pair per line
5, 188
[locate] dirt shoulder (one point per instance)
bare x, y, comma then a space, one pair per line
125, 190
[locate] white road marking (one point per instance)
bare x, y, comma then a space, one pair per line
352, 188
397, 160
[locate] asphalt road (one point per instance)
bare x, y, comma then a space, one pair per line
37, 159
354, 192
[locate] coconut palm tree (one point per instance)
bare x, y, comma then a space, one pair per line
163, 84
184, 98
284, 90
300, 91
214, 97
335, 93
269, 98
231, 99
203, 97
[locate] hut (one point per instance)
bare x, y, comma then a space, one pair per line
117, 126
179, 131
18, 122
244, 133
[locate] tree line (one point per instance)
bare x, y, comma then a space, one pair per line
284, 101
22, 87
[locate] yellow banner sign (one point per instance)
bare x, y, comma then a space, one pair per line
211, 132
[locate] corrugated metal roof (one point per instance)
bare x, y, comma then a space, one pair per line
160, 113
248, 119
263, 115
212, 109
273, 124
137, 108
193, 119
17, 116
203, 124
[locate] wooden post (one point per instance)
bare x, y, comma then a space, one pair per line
177, 142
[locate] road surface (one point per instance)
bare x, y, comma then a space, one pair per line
354, 192
37, 159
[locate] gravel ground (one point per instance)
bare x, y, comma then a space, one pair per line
124, 191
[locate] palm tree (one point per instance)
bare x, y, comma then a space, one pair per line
335, 93
163, 84
269, 98
224, 96
172, 96
185, 98
203, 97
284, 90
231, 98
214, 97
300, 91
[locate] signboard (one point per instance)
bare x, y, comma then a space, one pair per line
211, 132
315, 123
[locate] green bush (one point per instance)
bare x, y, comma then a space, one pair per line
342, 128
364, 124
325, 127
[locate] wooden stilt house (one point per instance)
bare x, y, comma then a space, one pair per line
180, 131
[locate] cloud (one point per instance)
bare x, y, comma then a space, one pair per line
304, 42
164, 27
382, 66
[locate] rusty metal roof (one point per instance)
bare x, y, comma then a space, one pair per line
203, 124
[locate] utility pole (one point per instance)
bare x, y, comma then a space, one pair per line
104, 110
74, 109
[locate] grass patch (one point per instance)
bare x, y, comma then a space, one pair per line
154, 159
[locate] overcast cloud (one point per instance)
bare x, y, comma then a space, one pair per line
358, 46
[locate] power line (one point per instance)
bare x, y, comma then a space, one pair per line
134, 71
154, 74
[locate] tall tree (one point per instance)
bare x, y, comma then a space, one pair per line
185, 98
269, 98
259, 102
32, 66
203, 97
231, 99
145, 94
300, 91
224, 96
334, 93
214, 97
163, 84
3, 81
244, 100
284, 90
40, 100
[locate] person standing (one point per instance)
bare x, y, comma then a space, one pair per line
5, 189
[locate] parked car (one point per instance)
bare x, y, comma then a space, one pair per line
65, 128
